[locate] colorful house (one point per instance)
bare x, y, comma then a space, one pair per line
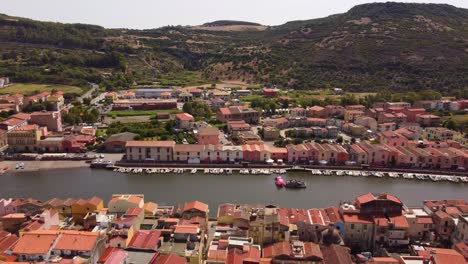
82, 207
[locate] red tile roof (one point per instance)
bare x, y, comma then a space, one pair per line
95, 201
277, 249
7, 242
335, 254
355, 218
171, 259
369, 197
116, 257
196, 205
186, 229
77, 241
452, 211
462, 248
145, 239
443, 255
27, 128
208, 131
150, 143
107, 253
134, 211
36, 242
184, 116
425, 220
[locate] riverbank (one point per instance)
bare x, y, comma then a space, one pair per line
36, 165
237, 167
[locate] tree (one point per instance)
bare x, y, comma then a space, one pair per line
339, 139
451, 124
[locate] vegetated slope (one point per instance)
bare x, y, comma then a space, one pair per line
396, 46
390, 45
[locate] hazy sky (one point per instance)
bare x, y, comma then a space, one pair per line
156, 13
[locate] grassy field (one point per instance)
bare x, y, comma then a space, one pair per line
30, 88
458, 118
141, 112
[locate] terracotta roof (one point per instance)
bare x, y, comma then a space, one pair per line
333, 215
355, 218
12, 121
7, 242
145, 239
335, 254
150, 206
27, 128
383, 261
370, 197
14, 216
208, 131
443, 255
277, 249
425, 220
441, 214
95, 201
107, 253
116, 257
462, 248
36, 242
135, 199
217, 255
184, 116
171, 259
452, 211
77, 241
186, 229
316, 108
196, 205
151, 143
134, 211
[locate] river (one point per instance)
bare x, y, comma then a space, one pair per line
173, 189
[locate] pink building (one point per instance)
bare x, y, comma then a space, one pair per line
7, 207
392, 138
376, 154
412, 113
278, 153
314, 121
298, 153
334, 110
316, 111
40, 97
328, 153
208, 135
255, 152
356, 107
51, 120
357, 154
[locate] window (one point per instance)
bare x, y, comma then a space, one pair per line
352, 226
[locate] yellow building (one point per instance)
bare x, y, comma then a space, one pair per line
82, 207
24, 138
63, 207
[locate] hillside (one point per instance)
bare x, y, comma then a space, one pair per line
371, 47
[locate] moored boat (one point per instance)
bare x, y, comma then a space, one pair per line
295, 184
279, 181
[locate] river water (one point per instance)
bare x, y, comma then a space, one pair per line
174, 189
